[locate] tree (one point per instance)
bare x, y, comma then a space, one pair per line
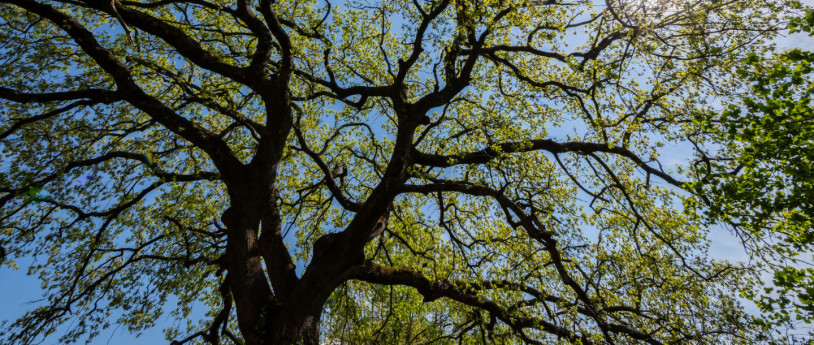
761, 182
440, 171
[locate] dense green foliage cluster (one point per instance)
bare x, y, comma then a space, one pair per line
766, 186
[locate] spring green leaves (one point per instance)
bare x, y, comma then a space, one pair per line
764, 184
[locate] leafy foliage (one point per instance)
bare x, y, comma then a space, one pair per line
767, 187
392, 171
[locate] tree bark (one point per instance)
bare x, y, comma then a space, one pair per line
272, 305
292, 326
248, 284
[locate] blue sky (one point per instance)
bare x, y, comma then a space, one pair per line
20, 292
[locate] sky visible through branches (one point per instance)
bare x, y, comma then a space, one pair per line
18, 291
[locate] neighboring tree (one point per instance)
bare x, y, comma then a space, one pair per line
368, 172
763, 182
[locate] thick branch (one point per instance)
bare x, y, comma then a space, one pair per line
487, 154
432, 290
185, 45
132, 93
104, 96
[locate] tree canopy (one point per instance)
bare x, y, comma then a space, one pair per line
762, 181
438, 171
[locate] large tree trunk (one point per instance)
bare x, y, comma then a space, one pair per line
273, 307
300, 327
248, 284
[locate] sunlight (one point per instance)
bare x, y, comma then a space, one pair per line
638, 10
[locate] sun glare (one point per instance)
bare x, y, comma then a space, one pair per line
639, 12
